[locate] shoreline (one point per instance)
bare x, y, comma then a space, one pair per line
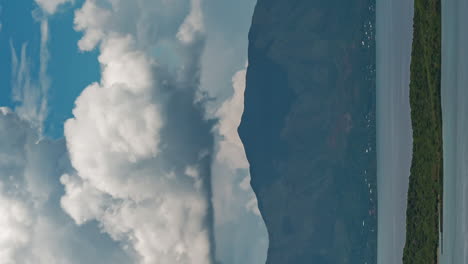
425, 205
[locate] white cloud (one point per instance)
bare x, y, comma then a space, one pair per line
226, 27
44, 57
164, 228
131, 164
235, 203
50, 6
16, 224
16, 219
31, 93
140, 148
193, 24
25, 90
231, 150
93, 20
34, 229
137, 176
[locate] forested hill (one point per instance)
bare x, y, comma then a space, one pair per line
309, 129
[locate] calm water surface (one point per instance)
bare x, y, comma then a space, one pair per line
394, 135
455, 129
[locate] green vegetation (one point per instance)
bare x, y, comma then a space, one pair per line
425, 185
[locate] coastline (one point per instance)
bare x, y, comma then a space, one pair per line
394, 21
424, 211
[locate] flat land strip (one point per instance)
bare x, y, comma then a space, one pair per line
425, 183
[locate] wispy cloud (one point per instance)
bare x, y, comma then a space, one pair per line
25, 90
28, 92
44, 80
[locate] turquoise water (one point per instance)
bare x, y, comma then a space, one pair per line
455, 129
394, 134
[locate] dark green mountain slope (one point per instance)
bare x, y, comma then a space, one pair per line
309, 129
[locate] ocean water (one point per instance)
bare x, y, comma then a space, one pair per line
394, 30
455, 131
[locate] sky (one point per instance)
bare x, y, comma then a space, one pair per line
118, 133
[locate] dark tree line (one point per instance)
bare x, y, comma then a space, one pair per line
425, 184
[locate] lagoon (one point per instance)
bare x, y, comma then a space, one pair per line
394, 25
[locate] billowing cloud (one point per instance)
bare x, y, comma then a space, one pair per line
161, 167
34, 228
94, 21
17, 223
144, 159
140, 145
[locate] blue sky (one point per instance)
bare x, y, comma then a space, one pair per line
18, 25
70, 70
118, 133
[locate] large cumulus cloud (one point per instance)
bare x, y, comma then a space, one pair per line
151, 169
34, 228
143, 143
140, 145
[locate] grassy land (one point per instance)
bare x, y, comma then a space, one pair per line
425, 186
